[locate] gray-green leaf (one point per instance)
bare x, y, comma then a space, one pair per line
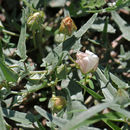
117, 81
2, 123
108, 90
6, 73
123, 25
86, 26
76, 121
21, 117
56, 120
21, 48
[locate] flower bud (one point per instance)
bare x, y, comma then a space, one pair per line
87, 61
57, 103
59, 38
35, 21
67, 26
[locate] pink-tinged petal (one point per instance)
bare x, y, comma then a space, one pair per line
83, 65
87, 61
80, 55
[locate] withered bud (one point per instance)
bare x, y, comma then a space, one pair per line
67, 26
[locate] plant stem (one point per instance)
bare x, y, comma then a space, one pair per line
64, 37
13, 66
86, 78
39, 43
10, 33
53, 91
72, 59
38, 72
17, 93
53, 88
34, 40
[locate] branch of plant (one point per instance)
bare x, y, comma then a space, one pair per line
10, 33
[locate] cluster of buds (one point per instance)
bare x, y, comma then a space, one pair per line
57, 103
35, 21
87, 61
67, 26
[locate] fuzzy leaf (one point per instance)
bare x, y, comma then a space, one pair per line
124, 27
108, 90
92, 3
21, 48
118, 108
1, 52
56, 120
2, 123
76, 121
35, 87
86, 26
119, 82
18, 116
6, 73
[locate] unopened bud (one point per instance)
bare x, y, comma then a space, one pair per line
87, 61
59, 38
57, 103
35, 21
67, 26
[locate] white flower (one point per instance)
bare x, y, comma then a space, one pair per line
87, 61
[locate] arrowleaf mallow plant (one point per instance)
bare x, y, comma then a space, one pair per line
50, 86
